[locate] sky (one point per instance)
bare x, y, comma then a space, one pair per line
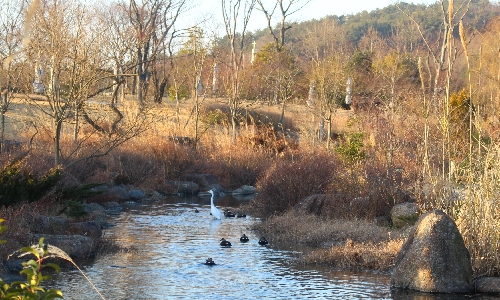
315, 9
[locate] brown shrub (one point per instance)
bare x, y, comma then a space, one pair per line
286, 182
172, 161
235, 164
266, 138
18, 220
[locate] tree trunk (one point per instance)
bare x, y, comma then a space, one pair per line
282, 116
57, 140
329, 132
3, 110
160, 91
139, 77
75, 136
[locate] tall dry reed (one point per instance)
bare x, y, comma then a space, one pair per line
475, 207
477, 212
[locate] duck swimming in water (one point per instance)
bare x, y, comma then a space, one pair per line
244, 238
228, 213
225, 243
210, 262
263, 241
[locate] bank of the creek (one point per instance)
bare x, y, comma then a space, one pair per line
173, 241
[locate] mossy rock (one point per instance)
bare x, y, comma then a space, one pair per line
404, 214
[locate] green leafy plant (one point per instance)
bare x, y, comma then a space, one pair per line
215, 117
18, 185
351, 150
183, 92
31, 289
75, 209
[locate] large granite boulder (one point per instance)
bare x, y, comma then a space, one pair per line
136, 194
434, 258
49, 224
75, 246
118, 193
155, 196
404, 214
100, 217
89, 228
112, 208
245, 190
90, 207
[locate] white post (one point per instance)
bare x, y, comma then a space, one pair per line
253, 52
310, 100
214, 79
348, 90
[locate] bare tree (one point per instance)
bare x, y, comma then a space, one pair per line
11, 18
65, 45
153, 21
328, 74
231, 10
285, 8
442, 60
118, 43
285, 79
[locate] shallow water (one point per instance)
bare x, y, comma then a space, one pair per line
173, 242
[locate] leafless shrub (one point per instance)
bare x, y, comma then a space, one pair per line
286, 182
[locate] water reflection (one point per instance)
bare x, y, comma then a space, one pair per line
173, 243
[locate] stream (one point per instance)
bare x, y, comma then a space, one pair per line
172, 243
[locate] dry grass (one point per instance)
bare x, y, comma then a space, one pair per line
475, 207
351, 255
338, 242
312, 230
18, 219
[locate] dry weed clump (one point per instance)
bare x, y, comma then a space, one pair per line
172, 160
352, 255
311, 230
287, 182
18, 219
235, 164
340, 243
476, 211
268, 139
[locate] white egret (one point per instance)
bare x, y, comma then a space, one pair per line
215, 211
